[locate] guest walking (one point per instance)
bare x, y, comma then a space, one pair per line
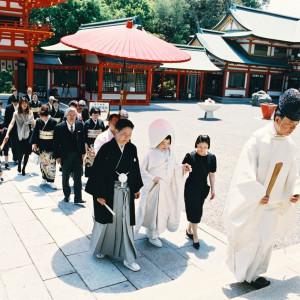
28, 94
83, 113
196, 188
42, 141
13, 141
3, 131
92, 128
55, 112
35, 105
14, 97
24, 119
69, 151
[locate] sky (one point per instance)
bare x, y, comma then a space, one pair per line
285, 7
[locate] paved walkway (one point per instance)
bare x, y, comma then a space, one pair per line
44, 249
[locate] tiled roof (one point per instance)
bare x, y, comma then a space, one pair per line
199, 61
59, 48
56, 60
231, 51
265, 24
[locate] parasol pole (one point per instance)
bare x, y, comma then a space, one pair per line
122, 89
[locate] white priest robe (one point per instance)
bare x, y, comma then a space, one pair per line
160, 204
251, 226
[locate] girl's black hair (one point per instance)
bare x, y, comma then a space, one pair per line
203, 139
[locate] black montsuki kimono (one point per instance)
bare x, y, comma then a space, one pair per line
103, 176
91, 131
43, 136
35, 106
58, 115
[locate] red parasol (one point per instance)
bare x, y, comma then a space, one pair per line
126, 43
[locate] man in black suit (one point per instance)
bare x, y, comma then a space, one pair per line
13, 96
69, 151
28, 94
9, 111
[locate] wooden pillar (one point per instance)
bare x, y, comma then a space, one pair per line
177, 87
248, 85
149, 88
30, 67
100, 80
184, 86
201, 85
224, 83
267, 83
162, 80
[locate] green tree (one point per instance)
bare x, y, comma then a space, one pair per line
171, 20
67, 17
6, 81
130, 8
207, 13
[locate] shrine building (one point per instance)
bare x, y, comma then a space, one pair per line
18, 38
256, 50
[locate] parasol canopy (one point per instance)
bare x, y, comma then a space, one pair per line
126, 43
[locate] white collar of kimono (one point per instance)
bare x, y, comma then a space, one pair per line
121, 148
274, 133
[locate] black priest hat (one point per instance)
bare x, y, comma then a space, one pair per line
289, 104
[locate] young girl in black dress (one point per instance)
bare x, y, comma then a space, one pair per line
196, 189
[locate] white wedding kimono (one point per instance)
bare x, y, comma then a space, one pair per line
251, 226
160, 204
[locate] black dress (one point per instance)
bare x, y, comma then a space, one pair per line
91, 131
196, 188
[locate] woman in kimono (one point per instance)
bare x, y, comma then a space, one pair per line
55, 112
24, 119
42, 140
196, 189
35, 105
160, 203
115, 182
92, 128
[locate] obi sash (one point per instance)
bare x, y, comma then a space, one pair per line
46, 135
35, 109
92, 133
57, 120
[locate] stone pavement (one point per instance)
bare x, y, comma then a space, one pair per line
44, 248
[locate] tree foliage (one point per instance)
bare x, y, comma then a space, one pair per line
172, 20
67, 17
6, 81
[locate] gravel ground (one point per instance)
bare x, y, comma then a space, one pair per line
232, 126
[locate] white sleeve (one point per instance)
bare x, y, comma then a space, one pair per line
100, 140
145, 169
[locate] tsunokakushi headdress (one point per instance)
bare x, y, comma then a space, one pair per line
158, 131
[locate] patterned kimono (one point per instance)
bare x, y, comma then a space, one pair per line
91, 131
43, 137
